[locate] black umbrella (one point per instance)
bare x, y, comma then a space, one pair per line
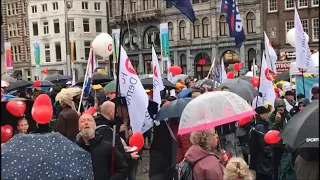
45, 83
44, 156
97, 78
173, 109
246, 78
148, 83
241, 87
9, 79
19, 84
302, 131
209, 84
284, 76
56, 78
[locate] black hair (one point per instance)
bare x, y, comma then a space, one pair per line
300, 96
225, 87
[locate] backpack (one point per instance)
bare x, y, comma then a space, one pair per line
185, 169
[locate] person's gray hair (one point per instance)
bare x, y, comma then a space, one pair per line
203, 138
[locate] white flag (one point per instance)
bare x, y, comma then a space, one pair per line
157, 80
303, 53
223, 75
266, 87
136, 97
271, 55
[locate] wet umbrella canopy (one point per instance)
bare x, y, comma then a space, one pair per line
44, 156
18, 85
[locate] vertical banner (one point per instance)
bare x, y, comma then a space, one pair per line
8, 56
37, 59
165, 52
72, 62
115, 46
72, 51
309, 83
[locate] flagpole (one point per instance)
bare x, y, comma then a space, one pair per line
266, 47
263, 54
117, 84
211, 68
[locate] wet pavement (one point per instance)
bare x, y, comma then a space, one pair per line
143, 169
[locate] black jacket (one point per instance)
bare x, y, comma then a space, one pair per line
107, 133
261, 153
101, 156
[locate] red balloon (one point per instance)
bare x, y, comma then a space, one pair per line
272, 137
254, 82
42, 110
6, 133
236, 67
45, 71
137, 140
175, 70
230, 75
37, 83
276, 90
16, 108
241, 64
245, 120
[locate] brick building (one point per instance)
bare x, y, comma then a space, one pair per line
278, 18
14, 14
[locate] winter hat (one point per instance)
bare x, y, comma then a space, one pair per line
289, 93
304, 101
279, 102
261, 110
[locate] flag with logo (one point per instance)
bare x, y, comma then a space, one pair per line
92, 65
137, 99
271, 55
303, 53
157, 80
234, 22
223, 6
266, 87
185, 8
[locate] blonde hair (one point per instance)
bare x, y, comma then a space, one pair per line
203, 138
237, 168
195, 94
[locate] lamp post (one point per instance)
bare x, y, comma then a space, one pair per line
66, 24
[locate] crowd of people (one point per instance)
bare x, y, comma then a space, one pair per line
226, 152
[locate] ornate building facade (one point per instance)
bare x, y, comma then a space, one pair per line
207, 38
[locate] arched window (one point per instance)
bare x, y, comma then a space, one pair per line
152, 37
223, 26
205, 27
251, 23
251, 57
131, 40
170, 28
196, 29
182, 30
183, 63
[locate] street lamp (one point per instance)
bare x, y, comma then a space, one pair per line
66, 24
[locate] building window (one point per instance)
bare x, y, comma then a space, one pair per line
57, 47
44, 7
289, 4
55, 6
223, 26
305, 25
34, 9
170, 28
86, 49
70, 4
182, 30
315, 29
10, 33
205, 27
15, 8
302, 3
272, 5
195, 1
168, 4
71, 25
35, 29
45, 27
86, 25
133, 6
97, 6
24, 6
196, 29
15, 53
25, 28
251, 23
14, 29
152, 37
314, 3
85, 5
74, 50
289, 25
98, 25
56, 26
47, 52
145, 4
9, 9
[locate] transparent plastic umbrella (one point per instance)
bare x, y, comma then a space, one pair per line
213, 109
